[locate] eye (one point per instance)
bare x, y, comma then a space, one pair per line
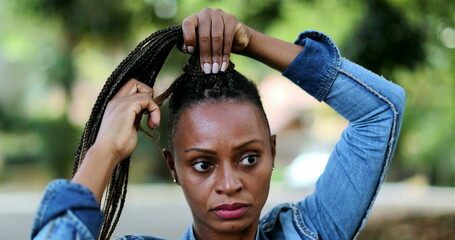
202, 166
249, 160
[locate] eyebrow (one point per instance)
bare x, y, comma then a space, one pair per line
247, 143
236, 148
200, 150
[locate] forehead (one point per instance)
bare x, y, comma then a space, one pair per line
222, 122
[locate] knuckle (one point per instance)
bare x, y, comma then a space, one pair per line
205, 56
111, 103
230, 17
204, 37
217, 37
187, 22
228, 42
146, 96
206, 10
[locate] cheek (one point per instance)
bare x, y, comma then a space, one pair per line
258, 182
195, 188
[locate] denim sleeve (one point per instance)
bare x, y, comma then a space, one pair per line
68, 211
374, 107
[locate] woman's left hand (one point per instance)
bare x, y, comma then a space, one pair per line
216, 34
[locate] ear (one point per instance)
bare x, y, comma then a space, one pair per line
273, 147
170, 164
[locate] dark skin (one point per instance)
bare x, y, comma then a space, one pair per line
224, 154
231, 177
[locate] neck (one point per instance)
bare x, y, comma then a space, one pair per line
203, 233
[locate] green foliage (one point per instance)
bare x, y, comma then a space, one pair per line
385, 40
52, 44
59, 140
107, 19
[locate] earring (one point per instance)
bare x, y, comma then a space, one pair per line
273, 168
174, 180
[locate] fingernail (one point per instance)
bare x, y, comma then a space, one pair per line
216, 68
207, 68
190, 49
223, 66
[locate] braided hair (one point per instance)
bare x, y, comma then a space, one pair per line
194, 87
191, 88
143, 63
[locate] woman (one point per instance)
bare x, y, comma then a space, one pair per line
221, 150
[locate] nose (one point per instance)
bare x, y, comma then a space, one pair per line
228, 180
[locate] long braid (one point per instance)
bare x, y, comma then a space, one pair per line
143, 63
193, 86
102, 97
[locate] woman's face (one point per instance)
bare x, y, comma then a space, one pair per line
223, 158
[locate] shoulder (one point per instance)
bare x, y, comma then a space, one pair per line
284, 220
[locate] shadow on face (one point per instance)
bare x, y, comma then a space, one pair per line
222, 157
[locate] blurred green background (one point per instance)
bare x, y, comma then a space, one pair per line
55, 56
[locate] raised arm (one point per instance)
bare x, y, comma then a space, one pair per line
373, 105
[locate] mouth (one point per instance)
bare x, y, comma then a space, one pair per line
231, 211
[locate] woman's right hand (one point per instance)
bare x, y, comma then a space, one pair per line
118, 130
117, 137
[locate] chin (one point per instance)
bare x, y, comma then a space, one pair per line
232, 226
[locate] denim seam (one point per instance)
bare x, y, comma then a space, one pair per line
81, 226
271, 217
299, 221
50, 231
389, 147
296, 216
335, 61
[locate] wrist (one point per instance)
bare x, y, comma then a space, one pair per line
271, 51
249, 50
96, 169
101, 153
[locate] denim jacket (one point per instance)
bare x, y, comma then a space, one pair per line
346, 190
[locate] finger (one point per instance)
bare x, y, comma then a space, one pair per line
143, 88
144, 102
131, 87
229, 32
204, 41
217, 40
127, 89
189, 26
154, 118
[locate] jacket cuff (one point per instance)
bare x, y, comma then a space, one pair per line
62, 196
316, 67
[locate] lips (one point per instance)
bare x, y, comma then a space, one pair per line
231, 211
